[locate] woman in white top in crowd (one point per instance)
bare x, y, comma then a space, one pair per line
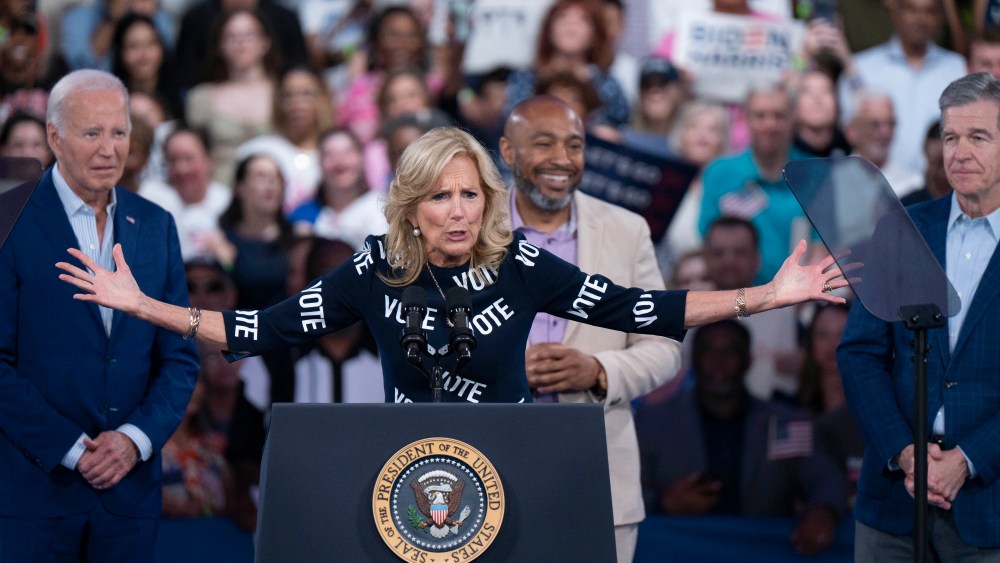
344, 207
303, 110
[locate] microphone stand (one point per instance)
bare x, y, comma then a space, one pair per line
461, 343
918, 319
436, 373
437, 380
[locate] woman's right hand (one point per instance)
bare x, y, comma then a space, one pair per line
117, 290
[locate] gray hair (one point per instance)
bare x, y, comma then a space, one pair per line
769, 86
860, 97
969, 89
86, 80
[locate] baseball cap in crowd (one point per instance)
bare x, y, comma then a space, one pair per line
222, 281
657, 71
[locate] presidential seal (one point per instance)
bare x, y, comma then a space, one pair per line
437, 500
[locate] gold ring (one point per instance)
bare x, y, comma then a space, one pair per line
827, 288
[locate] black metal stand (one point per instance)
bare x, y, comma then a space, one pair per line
414, 339
436, 373
919, 319
437, 380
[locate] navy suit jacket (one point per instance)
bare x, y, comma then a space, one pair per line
60, 373
875, 363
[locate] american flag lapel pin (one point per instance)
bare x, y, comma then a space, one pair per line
130, 219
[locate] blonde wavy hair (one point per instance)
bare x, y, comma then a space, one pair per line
416, 175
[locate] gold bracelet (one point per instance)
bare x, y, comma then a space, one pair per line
194, 321
741, 304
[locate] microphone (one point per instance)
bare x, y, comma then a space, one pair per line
459, 306
413, 340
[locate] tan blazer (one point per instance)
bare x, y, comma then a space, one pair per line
616, 243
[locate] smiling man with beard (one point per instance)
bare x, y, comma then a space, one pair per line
543, 143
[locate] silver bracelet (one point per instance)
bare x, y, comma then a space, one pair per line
741, 304
194, 320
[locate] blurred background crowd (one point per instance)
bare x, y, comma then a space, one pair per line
270, 130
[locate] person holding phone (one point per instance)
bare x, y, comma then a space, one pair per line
728, 453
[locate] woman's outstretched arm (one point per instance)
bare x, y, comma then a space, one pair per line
118, 290
792, 284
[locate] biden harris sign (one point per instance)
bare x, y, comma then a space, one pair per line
727, 54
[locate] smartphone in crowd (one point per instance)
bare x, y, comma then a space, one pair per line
824, 10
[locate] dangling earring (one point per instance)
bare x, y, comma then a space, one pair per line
416, 231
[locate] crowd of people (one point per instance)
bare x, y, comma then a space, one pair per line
272, 132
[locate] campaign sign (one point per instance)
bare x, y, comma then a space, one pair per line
502, 33
727, 54
649, 185
663, 16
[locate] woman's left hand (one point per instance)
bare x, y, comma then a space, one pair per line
795, 283
117, 290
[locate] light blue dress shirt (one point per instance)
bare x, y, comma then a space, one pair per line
970, 246
83, 220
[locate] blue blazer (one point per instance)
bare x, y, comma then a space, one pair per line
875, 363
61, 375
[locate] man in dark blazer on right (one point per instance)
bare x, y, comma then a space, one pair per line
963, 368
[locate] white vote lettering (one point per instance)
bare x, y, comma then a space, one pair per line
311, 302
247, 324
481, 279
465, 388
587, 299
393, 306
482, 321
428, 323
643, 309
363, 259
525, 252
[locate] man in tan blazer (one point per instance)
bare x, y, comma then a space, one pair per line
543, 143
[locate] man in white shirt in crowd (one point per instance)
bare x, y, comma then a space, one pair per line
912, 69
190, 194
871, 131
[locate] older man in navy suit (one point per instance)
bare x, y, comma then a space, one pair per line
963, 368
89, 395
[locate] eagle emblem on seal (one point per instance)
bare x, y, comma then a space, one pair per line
438, 494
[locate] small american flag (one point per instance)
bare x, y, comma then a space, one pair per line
788, 439
745, 203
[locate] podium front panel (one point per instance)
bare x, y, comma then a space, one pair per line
321, 463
